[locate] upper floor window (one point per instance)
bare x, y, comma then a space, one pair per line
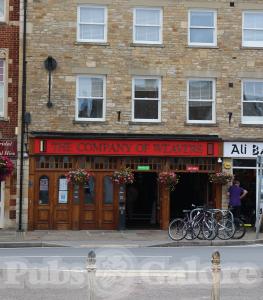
146, 99
252, 101
147, 26
202, 28
2, 10
201, 101
253, 29
92, 24
2, 88
90, 98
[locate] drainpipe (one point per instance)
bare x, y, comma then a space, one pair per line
23, 110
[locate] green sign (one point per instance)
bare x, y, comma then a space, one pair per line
143, 168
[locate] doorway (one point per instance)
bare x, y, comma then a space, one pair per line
141, 202
192, 188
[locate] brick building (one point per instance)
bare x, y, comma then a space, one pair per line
9, 56
151, 85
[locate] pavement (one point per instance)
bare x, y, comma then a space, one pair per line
109, 238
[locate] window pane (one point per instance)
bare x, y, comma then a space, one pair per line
253, 109
91, 15
200, 89
205, 19
253, 35
1, 98
90, 108
202, 35
244, 162
253, 20
43, 190
108, 190
62, 190
92, 32
148, 34
147, 17
90, 87
146, 109
146, 88
253, 91
200, 110
89, 192
2, 8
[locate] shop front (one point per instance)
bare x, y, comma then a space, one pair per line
241, 157
102, 204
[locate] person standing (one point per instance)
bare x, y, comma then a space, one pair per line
235, 194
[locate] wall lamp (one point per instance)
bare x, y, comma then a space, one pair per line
219, 160
230, 114
50, 65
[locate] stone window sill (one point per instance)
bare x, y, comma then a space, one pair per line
147, 45
92, 44
251, 48
251, 125
146, 123
201, 47
4, 119
87, 123
201, 124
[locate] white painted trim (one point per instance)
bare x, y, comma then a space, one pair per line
249, 120
250, 43
159, 99
104, 40
2, 204
103, 103
212, 100
214, 44
160, 26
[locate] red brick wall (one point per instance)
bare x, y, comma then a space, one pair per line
9, 38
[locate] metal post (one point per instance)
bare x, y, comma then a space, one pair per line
91, 273
216, 274
258, 209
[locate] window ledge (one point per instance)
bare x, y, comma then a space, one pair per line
201, 124
145, 123
202, 47
92, 43
147, 45
251, 125
251, 48
4, 119
86, 123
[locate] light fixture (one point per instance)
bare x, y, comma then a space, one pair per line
219, 160
50, 65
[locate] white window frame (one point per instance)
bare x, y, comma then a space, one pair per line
156, 99
105, 24
214, 44
160, 26
3, 18
3, 113
249, 120
202, 100
250, 44
77, 118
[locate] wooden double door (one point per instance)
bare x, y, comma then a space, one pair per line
59, 205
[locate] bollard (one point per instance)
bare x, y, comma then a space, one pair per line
216, 274
91, 273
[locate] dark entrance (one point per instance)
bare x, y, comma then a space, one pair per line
192, 188
141, 202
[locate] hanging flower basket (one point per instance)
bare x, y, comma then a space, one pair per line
169, 180
6, 167
220, 178
123, 176
78, 176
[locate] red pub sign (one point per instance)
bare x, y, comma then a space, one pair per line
121, 147
8, 147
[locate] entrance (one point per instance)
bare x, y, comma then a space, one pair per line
247, 178
2, 188
142, 202
192, 188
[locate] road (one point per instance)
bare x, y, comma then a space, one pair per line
135, 273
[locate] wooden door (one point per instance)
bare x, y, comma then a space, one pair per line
43, 201
99, 203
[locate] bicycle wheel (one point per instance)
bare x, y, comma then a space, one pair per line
209, 228
192, 230
240, 229
226, 229
177, 229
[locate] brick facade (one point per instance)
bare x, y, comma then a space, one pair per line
9, 45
